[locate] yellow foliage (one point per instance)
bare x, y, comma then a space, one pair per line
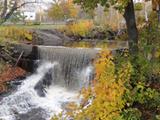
81, 28
15, 33
107, 92
72, 9
63, 9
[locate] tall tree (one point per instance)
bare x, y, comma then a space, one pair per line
10, 6
62, 9
56, 12
125, 6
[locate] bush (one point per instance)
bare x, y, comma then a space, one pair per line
14, 33
106, 92
36, 23
81, 28
118, 92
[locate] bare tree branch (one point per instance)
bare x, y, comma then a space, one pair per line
7, 13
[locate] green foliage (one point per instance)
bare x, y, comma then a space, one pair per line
16, 17
139, 91
91, 4
131, 114
142, 88
32, 23
149, 42
36, 23
138, 6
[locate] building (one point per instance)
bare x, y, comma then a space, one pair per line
29, 15
30, 10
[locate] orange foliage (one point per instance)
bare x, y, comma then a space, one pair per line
9, 74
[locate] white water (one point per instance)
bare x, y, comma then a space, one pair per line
25, 98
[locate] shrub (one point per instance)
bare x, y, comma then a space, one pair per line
118, 92
80, 28
131, 114
15, 33
106, 92
36, 23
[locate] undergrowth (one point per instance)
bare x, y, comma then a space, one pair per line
79, 28
12, 34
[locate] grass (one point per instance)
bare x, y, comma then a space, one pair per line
43, 26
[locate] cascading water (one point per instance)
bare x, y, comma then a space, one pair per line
72, 62
62, 72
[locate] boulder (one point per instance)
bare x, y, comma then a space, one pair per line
29, 57
49, 38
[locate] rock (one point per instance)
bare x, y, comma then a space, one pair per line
29, 50
40, 88
29, 57
49, 38
34, 114
45, 82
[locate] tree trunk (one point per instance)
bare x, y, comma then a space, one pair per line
129, 16
4, 11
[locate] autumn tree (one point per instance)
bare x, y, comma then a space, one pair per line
9, 7
56, 12
62, 9
124, 6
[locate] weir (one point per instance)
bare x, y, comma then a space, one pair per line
73, 65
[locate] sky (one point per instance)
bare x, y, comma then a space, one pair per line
35, 7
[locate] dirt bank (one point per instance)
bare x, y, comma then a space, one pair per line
10, 73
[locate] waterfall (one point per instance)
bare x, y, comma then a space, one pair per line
71, 62
62, 72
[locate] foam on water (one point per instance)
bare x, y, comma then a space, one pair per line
25, 98
57, 82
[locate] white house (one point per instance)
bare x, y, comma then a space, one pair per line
31, 16
30, 10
